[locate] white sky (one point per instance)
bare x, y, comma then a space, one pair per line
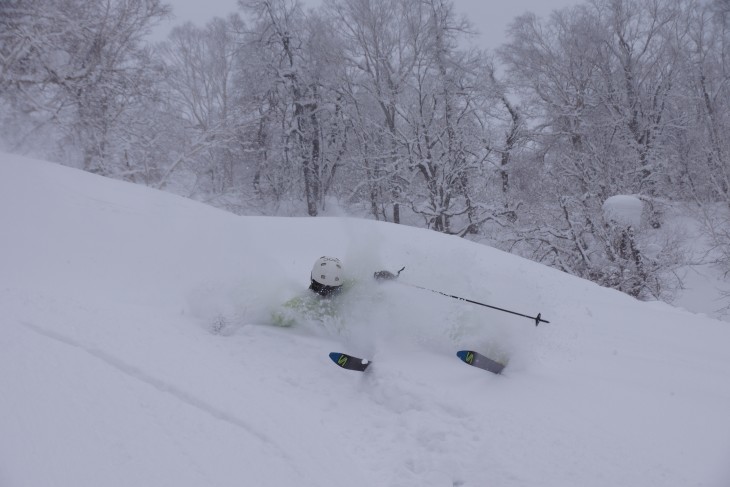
490, 17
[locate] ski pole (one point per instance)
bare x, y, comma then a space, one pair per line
387, 275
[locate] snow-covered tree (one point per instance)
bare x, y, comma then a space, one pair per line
599, 80
80, 66
203, 76
292, 49
442, 135
382, 42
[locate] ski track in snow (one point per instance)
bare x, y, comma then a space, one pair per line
160, 385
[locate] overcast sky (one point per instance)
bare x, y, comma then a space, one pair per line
490, 17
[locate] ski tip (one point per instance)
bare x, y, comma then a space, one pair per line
336, 356
349, 362
466, 355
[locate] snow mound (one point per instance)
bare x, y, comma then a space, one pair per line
625, 210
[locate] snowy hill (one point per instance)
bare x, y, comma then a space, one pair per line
135, 350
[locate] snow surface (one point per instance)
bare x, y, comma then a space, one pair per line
135, 351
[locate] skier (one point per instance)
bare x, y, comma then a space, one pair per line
327, 281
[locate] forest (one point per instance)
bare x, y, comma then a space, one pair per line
381, 109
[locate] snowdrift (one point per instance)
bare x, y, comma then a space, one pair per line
135, 349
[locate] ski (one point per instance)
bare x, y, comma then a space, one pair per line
349, 362
478, 360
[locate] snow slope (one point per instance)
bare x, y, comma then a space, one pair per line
135, 350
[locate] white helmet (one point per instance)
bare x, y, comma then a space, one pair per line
328, 271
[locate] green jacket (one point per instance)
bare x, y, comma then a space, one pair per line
309, 306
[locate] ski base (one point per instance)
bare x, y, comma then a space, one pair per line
349, 362
476, 359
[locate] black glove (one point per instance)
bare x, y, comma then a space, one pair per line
384, 276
